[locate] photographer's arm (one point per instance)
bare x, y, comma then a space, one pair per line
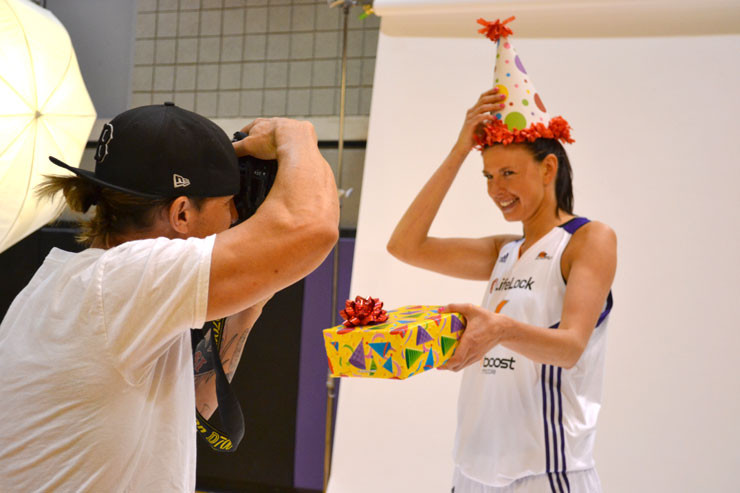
292, 231
234, 338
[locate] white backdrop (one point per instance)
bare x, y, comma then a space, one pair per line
656, 157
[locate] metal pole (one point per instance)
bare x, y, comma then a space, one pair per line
330, 385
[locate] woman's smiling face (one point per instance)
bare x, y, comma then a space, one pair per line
516, 181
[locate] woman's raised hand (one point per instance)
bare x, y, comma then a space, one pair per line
488, 102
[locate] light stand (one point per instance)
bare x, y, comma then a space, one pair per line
330, 383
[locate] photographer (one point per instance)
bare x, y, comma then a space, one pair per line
96, 356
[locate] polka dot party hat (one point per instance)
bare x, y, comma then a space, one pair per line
525, 118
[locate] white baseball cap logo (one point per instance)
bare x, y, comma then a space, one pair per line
180, 181
105, 137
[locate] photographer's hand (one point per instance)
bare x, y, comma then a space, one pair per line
261, 139
292, 231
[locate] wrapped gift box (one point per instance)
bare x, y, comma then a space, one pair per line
414, 339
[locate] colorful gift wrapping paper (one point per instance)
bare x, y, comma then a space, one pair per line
414, 339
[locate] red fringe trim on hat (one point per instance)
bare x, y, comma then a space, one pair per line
495, 30
497, 132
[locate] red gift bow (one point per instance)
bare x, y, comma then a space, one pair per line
363, 312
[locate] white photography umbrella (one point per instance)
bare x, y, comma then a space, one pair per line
44, 110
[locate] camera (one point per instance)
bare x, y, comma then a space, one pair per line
256, 179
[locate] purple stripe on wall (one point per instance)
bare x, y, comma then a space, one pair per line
311, 411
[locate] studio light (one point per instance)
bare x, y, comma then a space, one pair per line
44, 110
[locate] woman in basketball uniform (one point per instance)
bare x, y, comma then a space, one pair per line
533, 352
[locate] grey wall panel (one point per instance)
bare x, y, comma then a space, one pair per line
102, 33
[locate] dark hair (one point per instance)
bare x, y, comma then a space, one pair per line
540, 149
116, 213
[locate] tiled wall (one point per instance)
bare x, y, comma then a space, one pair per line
240, 59
248, 58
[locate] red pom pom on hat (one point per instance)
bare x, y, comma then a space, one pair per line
496, 29
497, 132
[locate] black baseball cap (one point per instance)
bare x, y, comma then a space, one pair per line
162, 151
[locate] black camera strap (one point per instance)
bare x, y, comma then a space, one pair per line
256, 179
229, 409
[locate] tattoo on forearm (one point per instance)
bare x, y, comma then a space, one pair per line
201, 356
229, 342
231, 368
204, 379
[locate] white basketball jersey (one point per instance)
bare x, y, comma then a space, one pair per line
516, 417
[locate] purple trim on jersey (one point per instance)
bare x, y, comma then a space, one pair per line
555, 472
562, 431
604, 314
574, 224
547, 436
607, 310
560, 467
554, 429
552, 424
571, 227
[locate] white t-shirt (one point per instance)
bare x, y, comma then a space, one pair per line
97, 388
